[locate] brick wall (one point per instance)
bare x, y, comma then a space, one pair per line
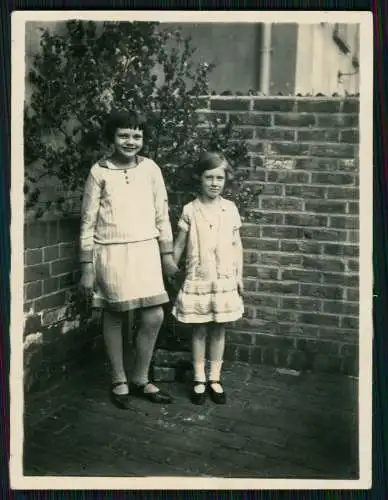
301, 256
300, 247
53, 339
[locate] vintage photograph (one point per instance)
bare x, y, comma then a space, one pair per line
190, 253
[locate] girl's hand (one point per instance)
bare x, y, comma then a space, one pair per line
240, 287
170, 269
87, 280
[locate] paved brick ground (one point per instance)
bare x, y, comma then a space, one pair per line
275, 426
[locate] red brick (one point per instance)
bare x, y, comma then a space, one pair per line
344, 222
261, 300
275, 134
321, 291
62, 266
351, 106
260, 244
281, 203
250, 231
315, 346
306, 247
317, 164
333, 150
68, 250
33, 257
300, 276
51, 301
342, 193
259, 174
354, 236
230, 104
33, 290
300, 303
288, 177
348, 165
246, 133
288, 149
51, 253
305, 220
319, 106
263, 104
337, 120
353, 265
320, 319
326, 206
306, 192
278, 287
350, 366
267, 313
242, 338
250, 257
285, 232
340, 279
290, 260
265, 217
347, 308
352, 294
256, 355
249, 285
325, 234
266, 273
257, 148
350, 136
273, 189
50, 285
36, 273
327, 265
341, 250
294, 120
255, 119
269, 356
333, 179
318, 135
354, 208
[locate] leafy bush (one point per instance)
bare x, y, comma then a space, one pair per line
80, 73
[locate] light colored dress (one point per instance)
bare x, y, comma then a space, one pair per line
124, 226
209, 292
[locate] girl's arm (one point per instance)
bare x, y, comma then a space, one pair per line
89, 213
239, 255
180, 244
162, 219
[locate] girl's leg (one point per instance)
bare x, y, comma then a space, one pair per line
199, 349
151, 321
112, 332
217, 347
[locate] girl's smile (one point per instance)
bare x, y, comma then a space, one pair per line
128, 142
213, 182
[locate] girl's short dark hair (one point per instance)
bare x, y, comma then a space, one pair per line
208, 160
124, 119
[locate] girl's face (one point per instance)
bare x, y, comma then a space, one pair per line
213, 182
128, 142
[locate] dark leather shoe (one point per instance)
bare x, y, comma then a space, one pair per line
198, 398
219, 398
160, 396
119, 400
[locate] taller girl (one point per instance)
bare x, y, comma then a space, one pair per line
211, 293
126, 241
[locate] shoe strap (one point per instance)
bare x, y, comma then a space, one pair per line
116, 384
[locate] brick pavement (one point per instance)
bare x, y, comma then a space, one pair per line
274, 426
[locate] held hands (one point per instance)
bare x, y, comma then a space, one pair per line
172, 272
86, 285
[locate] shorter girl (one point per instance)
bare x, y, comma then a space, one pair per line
211, 293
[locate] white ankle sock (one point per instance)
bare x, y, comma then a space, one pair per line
215, 374
199, 372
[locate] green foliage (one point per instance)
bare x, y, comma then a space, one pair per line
78, 76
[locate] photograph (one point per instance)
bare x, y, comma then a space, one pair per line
236, 149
